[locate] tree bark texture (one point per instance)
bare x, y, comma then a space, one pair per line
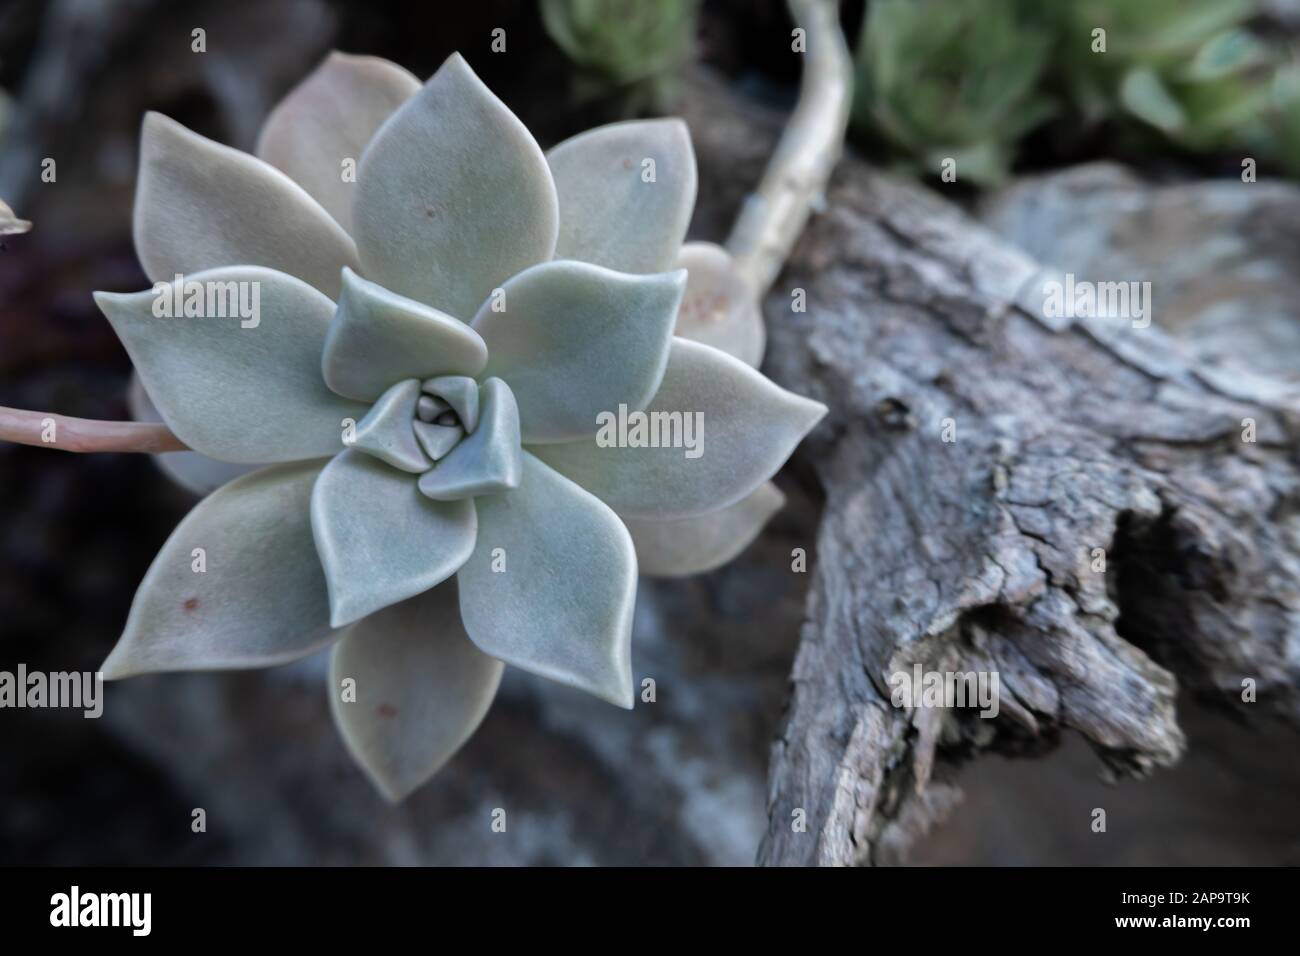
978, 553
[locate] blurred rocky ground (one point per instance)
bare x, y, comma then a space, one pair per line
1220, 254
678, 781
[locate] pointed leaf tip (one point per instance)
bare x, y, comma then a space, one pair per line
453, 194
422, 689
563, 606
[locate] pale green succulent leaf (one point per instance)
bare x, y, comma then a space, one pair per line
626, 194
438, 440
193, 471
380, 540
238, 390
551, 584
388, 430
316, 134
684, 546
377, 338
1226, 54
743, 428
1145, 95
200, 205
575, 339
237, 584
421, 689
487, 461
453, 195
719, 308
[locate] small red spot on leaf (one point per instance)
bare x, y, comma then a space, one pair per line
386, 710
191, 604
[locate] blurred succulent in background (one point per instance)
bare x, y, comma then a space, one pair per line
627, 48
971, 80
938, 80
439, 337
1186, 68
1276, 134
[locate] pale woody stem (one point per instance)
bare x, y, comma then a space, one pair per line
84, 434
794, 182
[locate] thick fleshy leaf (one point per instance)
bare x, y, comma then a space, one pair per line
551, 585
460, 392
438, 440
626, 194
576, 340
236, 393
200, 205
237, 584
377, 338
192, 471
316, 134
422, 688
388, 430
379, 539
453, 195
487, 461
683, 546
719, 309
722, 429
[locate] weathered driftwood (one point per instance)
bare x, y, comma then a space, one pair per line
978, 554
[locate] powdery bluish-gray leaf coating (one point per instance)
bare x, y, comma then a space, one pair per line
238, 394
576, 339
200, 205
719, 308
380, 540
626, 194
325, 122
421, 689
748, 424
562, 606
377, 338
453, 195
684, 546
488, 460
388, 430
253, 595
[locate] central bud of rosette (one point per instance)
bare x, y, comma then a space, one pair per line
461, 437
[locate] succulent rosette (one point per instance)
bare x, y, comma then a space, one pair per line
438, 337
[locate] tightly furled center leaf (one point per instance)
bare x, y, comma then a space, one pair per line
415, 425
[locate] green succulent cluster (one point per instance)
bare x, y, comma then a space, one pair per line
1187, 69
628, 48
971, 80
938, 80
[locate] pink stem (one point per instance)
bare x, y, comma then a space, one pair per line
48, 430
